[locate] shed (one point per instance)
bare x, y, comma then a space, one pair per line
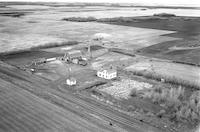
50, 59
71, 81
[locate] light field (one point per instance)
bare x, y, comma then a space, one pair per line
19, 34
187, 73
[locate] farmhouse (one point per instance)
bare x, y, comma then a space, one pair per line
71, 81
107, 73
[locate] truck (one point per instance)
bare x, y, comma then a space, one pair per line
82, 62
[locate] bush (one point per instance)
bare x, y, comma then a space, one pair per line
171, 96
160, 113
168, 79
80, 19
131, 108
133, 92
164, 15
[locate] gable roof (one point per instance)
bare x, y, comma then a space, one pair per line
109, 71
74, 53
72, 79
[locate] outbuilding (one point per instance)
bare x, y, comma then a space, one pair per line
107, 73
74, 54
50, 59
71, 81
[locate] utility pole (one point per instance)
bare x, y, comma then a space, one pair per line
69, 72
89, 48
152, 69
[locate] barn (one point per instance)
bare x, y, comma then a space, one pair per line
74, 54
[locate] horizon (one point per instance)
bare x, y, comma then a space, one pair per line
183, 3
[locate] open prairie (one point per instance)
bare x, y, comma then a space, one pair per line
41, 24
26, 35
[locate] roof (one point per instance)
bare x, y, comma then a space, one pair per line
109, 71
74, 53
72, 79
101, 36
39, 60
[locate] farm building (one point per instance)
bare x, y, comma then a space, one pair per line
39, 61
101, 36
74, 54
71, 81
107, 73
50, 59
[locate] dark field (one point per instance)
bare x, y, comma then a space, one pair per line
188, 29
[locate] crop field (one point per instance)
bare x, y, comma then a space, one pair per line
22, 111
43, 27
187, 30
27, 35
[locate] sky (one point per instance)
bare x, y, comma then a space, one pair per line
195, 3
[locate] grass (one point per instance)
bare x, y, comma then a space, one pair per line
191, 109
80, 19
165, 15
115, 19
13, 14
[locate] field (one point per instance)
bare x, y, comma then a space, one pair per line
169, 70
187, 30
156, 58
36, 104
23, 110
43, 32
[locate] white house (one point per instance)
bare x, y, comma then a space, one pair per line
107, 73
101, 36
71, 81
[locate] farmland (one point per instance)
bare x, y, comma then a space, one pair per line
155, 56
186, 30
47, 103
167, 69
